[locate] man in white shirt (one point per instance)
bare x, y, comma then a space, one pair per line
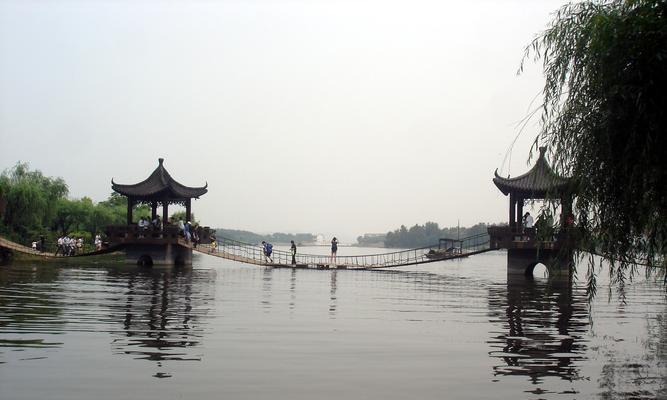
528, 223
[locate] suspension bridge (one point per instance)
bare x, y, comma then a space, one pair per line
446, 249
229, 249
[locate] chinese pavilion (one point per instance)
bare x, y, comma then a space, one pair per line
148, 245
159, 189
524, 250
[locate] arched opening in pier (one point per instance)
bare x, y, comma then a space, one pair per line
145, 261
538, 271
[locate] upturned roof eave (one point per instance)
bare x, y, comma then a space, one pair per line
161, 185
538, 182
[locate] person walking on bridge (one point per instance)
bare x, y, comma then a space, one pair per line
293, 250
268, 249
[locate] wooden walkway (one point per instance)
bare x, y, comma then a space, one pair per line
324, 262
19, 248
253, 254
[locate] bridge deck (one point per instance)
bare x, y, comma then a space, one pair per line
19, 248
253, 254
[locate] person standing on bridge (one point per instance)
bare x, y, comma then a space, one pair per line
334, 249
214, 243
293, 250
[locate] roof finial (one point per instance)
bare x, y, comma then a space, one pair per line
160, 160
543, 151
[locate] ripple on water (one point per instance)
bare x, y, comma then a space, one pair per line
457, 328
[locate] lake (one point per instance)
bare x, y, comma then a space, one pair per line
453, 329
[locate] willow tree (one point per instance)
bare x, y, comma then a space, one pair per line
29, 201
604, 117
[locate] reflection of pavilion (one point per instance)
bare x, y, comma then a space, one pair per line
160, 315
542, 329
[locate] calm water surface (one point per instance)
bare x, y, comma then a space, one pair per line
454, 329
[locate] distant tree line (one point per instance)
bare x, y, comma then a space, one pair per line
371, 240
251, 237
428, 234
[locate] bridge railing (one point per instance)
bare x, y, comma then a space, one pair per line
254, 254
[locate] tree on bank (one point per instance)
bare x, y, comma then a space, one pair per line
605, 121
28, 200
429, 234
34, 205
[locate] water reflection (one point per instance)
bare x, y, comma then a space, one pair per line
155, 315
266, 288
292, 290
633, 369
332, 295
30, 319
161, 314
543, 326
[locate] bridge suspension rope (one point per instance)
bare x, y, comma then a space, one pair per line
254, 254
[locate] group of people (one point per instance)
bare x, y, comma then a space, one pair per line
186, 229
69, 246
145, 224
544, 225
267, 249
189, 232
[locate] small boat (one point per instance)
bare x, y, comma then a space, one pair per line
447, 248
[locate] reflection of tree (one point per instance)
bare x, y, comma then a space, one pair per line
29, 307
637, 374
160, 314
542, 329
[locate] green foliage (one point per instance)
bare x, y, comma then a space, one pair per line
181, 215
113, 211
604, 119
32, 205
29, 200
250, 237
429, 234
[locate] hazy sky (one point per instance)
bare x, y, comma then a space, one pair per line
333, 117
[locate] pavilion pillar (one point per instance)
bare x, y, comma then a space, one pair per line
130, 205
165, 213
512, 212
519, 214
188, 210
153, 210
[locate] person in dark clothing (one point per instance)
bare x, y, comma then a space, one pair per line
268, 249
293, 250
334, 249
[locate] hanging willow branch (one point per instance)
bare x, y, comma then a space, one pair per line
604, 118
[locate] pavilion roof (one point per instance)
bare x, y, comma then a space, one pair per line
159, 186
539, 182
